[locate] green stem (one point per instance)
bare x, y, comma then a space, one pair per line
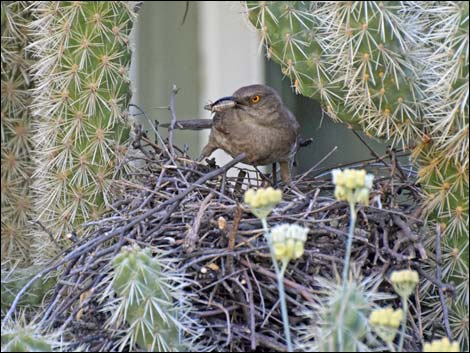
391, 347
265, 228
403, 323
341, 331
344, 299
280, 286
282, 299
352, 224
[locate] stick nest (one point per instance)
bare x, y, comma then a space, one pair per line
196, 215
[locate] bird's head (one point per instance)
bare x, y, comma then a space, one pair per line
257, 100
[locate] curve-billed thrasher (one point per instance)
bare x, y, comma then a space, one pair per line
255, 121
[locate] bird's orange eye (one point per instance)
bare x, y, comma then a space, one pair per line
255, 99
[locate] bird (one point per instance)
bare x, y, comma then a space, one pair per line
253, 120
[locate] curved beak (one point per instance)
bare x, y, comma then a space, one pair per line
222, 104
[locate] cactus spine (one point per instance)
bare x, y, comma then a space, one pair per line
148, 295
326, 334
16, 144
82, 51
24, 341
398, 70
19, 337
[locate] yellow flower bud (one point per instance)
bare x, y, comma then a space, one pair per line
262, 201
360, 177
338, 177
404, 282
349, 179
279, 250
288, 241
442, 345
255, 201
275, 196
263, 196
249, 194
340, 193
278, 235
290, 247
396, 317
362, 196
374, 317
352, 185
298, 250
385, 323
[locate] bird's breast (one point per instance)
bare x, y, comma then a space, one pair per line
262, 144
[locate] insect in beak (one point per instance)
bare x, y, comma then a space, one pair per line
221, 104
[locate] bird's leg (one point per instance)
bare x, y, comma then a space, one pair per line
239, 183
222, 185
206, 151
286, 177
285, 172
274, 174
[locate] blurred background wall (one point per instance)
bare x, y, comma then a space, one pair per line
213, 53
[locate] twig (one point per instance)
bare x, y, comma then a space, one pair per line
192, 237
445, 312
434, 280
304, 291
371, 150
186, 9
174, 202
410, 235
89, 245
215, 312
48, 232
174, 91
316, 165
252, 312
229, 326
232, 235
170, 155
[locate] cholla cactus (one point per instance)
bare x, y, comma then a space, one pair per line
150, 301
16, 134
327, 333
24, 341
398, 70
80, 101
19, 337
14, 278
